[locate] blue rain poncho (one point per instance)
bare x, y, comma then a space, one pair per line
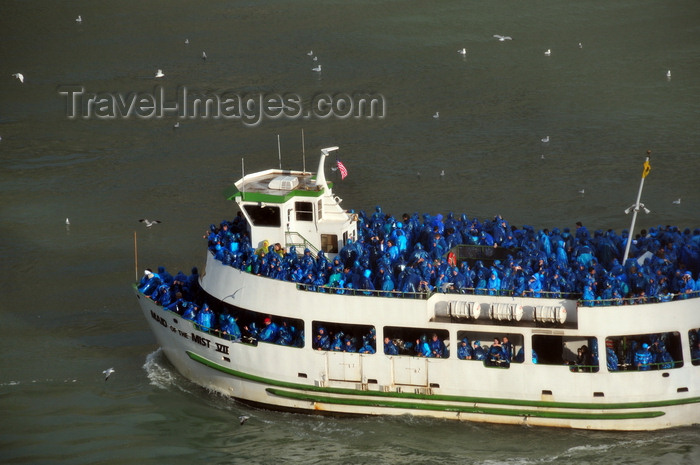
269, 332
464, 351
390, 347
205, 318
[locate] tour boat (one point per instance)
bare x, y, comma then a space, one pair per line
536, 379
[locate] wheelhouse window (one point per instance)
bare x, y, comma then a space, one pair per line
304, 211
329, 243
264, 215
644, 352
319, 209
579, 353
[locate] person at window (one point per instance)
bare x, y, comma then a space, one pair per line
643, 358
464, 350
437, 347
389, 347
269, 332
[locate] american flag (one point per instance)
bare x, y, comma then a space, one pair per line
342, 168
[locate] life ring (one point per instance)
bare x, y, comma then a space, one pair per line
451, 259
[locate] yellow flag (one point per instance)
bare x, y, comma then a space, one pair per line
647, 168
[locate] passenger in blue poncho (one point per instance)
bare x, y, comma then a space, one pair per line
390, 347
285, 334
269, 332
494, 284
611, 358
437, 347
151, 283
423, 348
338, 344
478, 352
230, 327
464, 350
643, 358
190, 312
205, 318
321, 340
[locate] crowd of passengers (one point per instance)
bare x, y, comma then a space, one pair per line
410, 255
181, 294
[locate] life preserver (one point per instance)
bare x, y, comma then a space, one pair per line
451, 259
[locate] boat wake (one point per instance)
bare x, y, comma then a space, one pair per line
160, 373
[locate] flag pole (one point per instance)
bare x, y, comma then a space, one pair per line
136, 258
636, 206
303, 152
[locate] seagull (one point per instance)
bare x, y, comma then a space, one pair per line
436, 115
677, 201
79, 19
108, 372
315, 59
244, 418
149, 223
317, 69
19, 76
668, 74
462, 51
545, 139
442, 173
582, 191
67, 222
548, 52
187, 41
176, 125
204, 55
580, 45
159, 73
502, 38
542, 157
311, 52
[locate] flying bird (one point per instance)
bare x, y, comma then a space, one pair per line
108, 372
548, 52
582, 191
317, 69
502, 38
677, 201
244, 418
148, 222
159, 73
19, 76
462, 51
545, 139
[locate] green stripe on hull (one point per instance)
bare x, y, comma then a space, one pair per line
463, 409
440, 397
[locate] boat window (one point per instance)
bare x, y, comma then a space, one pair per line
329, 243
644, 352
416, 342
579, 353
263, 215
694, 341
339, 337
319, 209
254, 327
493, 349
304, 211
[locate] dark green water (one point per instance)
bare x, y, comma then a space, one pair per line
67, 311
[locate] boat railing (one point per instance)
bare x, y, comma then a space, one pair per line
362, 292
293, 238
426, 293
637, 300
